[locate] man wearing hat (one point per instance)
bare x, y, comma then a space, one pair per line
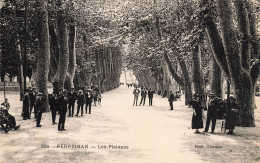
26, 106
62, 103
6, 104
81, 101
39, 108
53, 107
212, 113
231, 115
32, 95
89, 97
71, 99
8, 119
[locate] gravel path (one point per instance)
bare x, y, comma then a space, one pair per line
118, 132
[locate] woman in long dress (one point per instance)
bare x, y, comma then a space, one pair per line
231, 113
197, 121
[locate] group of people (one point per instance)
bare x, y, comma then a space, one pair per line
144, 92
59, 104
217, 109
33, 101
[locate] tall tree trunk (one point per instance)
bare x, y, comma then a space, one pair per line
20, 71
43, 58
61, 73
216, 83
198, 79
241, 78
217, 76
255, 66
244, 27
55, 50
33, 79
187, 81
72, 57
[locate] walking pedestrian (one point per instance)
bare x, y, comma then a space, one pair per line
143, 96
197, 121
39, 107
136, 94
150, 96
80, 101
171, 99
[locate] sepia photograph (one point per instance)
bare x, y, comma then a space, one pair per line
130, 81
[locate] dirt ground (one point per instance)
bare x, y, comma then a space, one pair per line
118, 132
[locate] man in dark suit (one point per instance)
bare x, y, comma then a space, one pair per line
39, 108
212, 113
89, 97
150, 96
32, 95
62, 103
26, 106
171, 99
53, 107
81, 101
72, 96
143, 96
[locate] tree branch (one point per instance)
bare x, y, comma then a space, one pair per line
174, 74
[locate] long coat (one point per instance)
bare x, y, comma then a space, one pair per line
89, 97
39, 105
26, 105
53, 103
32, 96
171, 97
72, 96
62, 103
197, 121
81, 99
231, 112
